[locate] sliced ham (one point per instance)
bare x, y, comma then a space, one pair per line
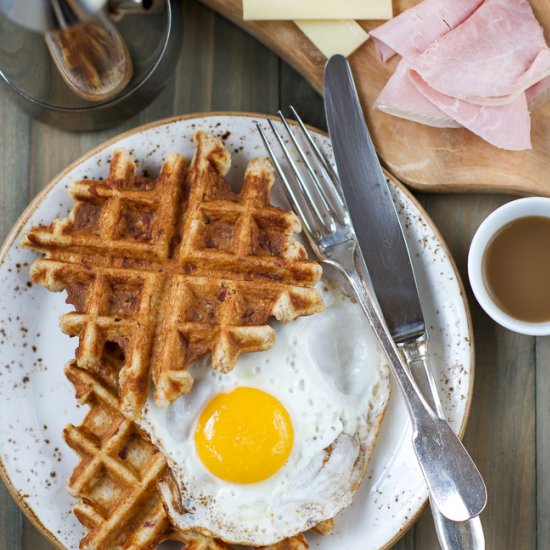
538, 94
504, 126
411, 32
481, 64
401, 98
491, 58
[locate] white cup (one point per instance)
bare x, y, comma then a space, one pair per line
534, 206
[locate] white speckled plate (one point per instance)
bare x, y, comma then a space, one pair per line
36, 401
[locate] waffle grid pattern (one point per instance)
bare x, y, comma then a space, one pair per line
116, 478
173, 268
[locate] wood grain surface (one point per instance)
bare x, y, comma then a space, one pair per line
223, 68
432, 159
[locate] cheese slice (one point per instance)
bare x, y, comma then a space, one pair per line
317, 9
334, 36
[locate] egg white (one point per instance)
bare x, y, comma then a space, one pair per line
330, 375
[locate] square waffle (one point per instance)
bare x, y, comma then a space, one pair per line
170, 269
116, 480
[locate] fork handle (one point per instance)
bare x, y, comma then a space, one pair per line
452, 535
452, 477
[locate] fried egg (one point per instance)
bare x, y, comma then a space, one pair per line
281, 442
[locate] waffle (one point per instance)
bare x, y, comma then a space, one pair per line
116, 479
170, 269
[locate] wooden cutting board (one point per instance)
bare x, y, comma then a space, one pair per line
425, 158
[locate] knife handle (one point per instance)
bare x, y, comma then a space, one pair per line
418, 361
452, 535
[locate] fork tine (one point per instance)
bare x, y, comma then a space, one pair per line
288, 190
333, 191
321, 157
312, 204
305, 160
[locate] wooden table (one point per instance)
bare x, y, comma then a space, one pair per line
221, 68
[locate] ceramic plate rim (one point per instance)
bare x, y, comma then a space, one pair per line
16, 229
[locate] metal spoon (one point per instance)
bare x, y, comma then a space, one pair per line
88, 51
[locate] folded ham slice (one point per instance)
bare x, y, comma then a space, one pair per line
408, 35
471, 63
491, 58
401, 98
504, 126
538, 94
411, 32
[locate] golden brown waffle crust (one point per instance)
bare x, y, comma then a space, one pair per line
170, 269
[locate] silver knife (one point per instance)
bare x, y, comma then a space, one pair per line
387, 258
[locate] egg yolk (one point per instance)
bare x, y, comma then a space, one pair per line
244, 436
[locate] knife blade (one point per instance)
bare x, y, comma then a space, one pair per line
371, 207
385, 253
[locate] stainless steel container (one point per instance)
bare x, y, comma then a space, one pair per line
150, 30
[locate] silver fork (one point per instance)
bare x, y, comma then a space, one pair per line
322, 210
